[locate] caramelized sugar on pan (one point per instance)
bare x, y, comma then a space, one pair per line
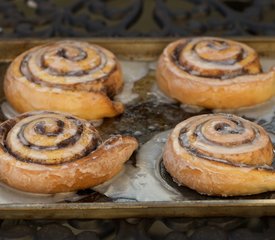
150, 113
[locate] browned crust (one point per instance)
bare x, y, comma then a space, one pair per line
98, 163
240, 91
99, 166
216, 178
91, 100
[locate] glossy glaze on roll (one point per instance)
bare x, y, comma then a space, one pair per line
68, 76
50, 152
214, 73
220, 154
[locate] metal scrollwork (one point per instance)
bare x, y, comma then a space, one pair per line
117, 18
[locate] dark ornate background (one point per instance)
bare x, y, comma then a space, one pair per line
151, 18
140, 229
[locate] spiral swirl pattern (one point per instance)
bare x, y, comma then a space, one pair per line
51, 152
49, 138
66, 76
215, 58
214, 73
220, 154
67, 65
225, 138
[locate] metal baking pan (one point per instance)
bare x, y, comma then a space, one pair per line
143, 112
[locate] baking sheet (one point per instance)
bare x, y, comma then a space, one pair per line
148, 117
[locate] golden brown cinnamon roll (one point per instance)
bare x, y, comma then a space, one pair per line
50, 152
214, 73
67, 76
220, 154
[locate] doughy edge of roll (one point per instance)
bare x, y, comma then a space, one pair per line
97, 167
214, 178
18, 91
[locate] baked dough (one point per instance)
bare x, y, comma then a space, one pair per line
220, 154
214, 73
67, 76
51, 152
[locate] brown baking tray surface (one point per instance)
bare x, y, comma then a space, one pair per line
144, 117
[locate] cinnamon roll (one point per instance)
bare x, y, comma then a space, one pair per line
220, 154
50, 152
68, 76
214, 73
